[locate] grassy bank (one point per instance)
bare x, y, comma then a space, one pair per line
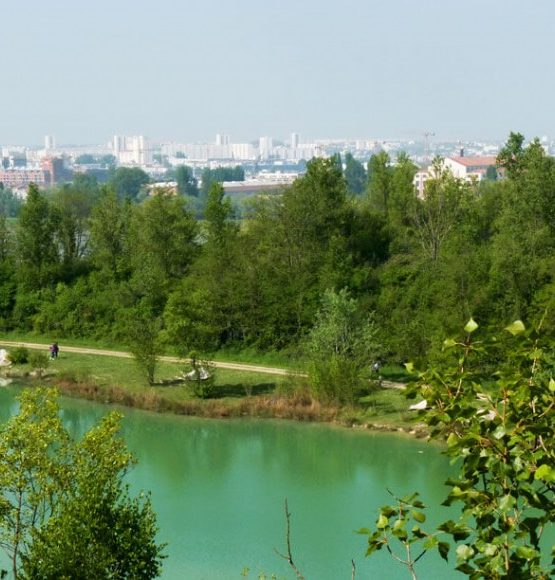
234, 394
290, 359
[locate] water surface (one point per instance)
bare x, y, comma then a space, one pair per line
218, 488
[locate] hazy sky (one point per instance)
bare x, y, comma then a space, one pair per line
186, 70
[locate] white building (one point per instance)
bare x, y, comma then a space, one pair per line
222, 139
132, 150
469, 168
265, 148
49, 142
465, 168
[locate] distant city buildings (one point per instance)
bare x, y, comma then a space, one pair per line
134, 150
469, 168
268, 162
473, 169
50, 172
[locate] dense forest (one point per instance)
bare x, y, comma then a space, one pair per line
97, 262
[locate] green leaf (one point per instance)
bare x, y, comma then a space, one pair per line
506, 503
449, 343
552, 385
382, 522
545, 473
399, 524
500, 432
526, 552
471, 326
418, 516
443, 549
464, 552
363, 531
490, 550
410, 367
452, 440
516, 327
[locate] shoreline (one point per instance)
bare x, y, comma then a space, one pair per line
299, 407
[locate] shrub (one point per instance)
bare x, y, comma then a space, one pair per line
19, 355
39, 361
200, 376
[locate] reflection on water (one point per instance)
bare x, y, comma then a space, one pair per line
218, 488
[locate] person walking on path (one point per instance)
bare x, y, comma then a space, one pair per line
54, 350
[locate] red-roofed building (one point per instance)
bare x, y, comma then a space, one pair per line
466, 168
469, 167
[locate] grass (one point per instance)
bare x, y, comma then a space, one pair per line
106, 372
29, 336
387, 406
281, 359
396, 373
235, 393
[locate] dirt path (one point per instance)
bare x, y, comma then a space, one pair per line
219, 365
173, 359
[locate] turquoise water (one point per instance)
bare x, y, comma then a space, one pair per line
218, 488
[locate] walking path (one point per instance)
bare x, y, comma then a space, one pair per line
173, 359
220, 365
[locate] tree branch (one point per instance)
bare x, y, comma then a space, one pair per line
289, 555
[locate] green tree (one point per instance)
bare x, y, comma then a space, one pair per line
72, 208
291, 248
186, 181
524, 232
141, 329
510, 157
403, 193
108, 160
355, 175
379, 181
491, 173
220, 174
128, 182
203, 312
7, 271
109, 235
37, 249
220, 217
86, 183
97, 529
85, 159
492, 401
340, 346
33, 456
10, 203
440, 210
163, 245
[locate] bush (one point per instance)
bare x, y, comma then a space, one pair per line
201, 376
39, 361
19, 355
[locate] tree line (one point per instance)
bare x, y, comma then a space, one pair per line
89, 261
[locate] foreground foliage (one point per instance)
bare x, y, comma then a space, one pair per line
493, 401
64, 509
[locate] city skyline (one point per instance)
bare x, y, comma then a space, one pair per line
186, 73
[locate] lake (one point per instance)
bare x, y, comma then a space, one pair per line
218, 488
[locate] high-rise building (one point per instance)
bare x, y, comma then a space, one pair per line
49, 142
222, 139
265, 147
132, 150
294, 140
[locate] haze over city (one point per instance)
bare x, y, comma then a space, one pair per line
361, 69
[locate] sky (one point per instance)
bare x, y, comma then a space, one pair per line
185, 70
